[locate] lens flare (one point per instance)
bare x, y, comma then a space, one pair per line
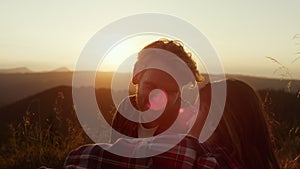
157, 100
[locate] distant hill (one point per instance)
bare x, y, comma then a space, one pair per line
61, 69
260, 83
15, 86
49, 105
16, 70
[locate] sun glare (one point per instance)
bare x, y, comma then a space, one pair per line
122, 56
118, 58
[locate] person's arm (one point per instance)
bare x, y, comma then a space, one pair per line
117, 124
102, 156
120, 124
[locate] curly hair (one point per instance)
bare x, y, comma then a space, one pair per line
176, 47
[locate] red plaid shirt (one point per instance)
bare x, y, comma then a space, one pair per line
188, 154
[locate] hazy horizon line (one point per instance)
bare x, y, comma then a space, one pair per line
26, 70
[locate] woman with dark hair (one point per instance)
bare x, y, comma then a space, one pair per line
243, 133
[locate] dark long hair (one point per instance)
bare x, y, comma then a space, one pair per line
243, 129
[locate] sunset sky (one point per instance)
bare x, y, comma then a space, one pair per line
44, 35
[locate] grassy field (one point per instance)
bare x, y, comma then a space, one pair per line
35, 142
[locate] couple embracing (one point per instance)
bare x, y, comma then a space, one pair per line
158, 128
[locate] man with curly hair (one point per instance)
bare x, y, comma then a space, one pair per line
157, 66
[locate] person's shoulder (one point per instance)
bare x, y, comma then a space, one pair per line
80, 155
84, 150
99, 156
121, 123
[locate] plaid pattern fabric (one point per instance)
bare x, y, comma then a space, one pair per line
188, 154
182, 156
95, 157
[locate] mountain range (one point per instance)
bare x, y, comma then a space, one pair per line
43, 97
15, 86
